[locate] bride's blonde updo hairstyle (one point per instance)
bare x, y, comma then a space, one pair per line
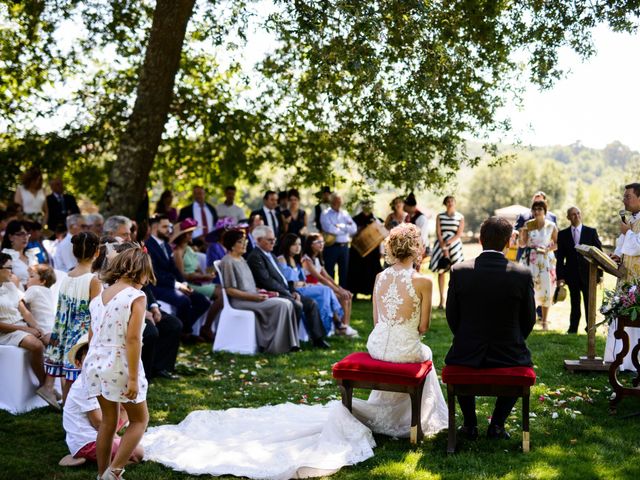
404, 241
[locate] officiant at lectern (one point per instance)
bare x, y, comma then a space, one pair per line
627, 253
571, 267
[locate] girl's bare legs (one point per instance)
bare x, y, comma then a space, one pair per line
106, 432
36, 359
138, 420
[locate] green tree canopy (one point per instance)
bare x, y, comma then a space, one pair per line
392, 88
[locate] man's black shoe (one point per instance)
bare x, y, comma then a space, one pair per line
166, 374
470, 433
320, 343
496, 432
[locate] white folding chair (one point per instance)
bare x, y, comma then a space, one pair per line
19, 383
236, 328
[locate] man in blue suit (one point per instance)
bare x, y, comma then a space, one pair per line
170, 287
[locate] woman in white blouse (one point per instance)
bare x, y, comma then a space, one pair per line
31, 196
14, 244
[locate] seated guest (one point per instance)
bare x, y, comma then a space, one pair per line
39, 298
228, 208
164, 206
14, 244
59, 204
277, 327
36, 242
188, 265
215, 250
313, 266
82, 416
202, 212
255, 220
118, 227
294, 219
96, 223
170, 285
491, 311
328, 305
63, 259
267, 275
17, 326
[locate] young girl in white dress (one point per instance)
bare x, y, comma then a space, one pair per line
113, 369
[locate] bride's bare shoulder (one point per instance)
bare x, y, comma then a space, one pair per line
421, 281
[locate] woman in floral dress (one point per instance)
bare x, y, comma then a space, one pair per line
539, 237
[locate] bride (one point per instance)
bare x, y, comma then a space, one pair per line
299, 441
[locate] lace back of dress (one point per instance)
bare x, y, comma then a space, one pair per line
395, 296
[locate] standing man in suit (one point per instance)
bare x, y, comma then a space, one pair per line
323, 196
491, 311
267, 275
59, 204
571, 267
269, 212
170, 286
201, 211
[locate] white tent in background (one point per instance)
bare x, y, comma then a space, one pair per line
511, 212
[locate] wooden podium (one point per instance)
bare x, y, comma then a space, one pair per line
598, 260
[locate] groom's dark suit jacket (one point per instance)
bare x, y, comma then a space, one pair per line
491, 311
571, 266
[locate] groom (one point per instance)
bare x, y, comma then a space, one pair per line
491, 311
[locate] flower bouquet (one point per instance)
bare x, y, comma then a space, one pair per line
624, 301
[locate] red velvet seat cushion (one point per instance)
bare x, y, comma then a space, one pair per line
360, 366
459, 375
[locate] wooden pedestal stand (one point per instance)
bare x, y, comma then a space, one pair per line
620, 390
597, 261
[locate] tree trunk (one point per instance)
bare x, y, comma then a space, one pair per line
139, 143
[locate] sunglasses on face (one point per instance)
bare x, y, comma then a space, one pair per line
22, 234
318, 242
10, 268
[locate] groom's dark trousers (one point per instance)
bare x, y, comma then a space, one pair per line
490, 311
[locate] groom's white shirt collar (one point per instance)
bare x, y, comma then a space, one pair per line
492, 251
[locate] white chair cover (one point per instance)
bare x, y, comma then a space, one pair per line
19, 383
236, 328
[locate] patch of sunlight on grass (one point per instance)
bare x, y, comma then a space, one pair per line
407, 468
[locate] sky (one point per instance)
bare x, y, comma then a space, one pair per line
597, 102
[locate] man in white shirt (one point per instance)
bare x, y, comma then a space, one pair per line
628, 243
63, 258
339, 223
419, 219
228, 208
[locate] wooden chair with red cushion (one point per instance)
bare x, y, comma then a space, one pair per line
489, 382
359, 370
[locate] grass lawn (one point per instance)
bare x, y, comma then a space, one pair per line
581, 442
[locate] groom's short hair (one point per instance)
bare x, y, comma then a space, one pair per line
495, 233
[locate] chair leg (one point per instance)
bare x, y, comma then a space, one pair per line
525, 421
416, 434
346, 392
451, 403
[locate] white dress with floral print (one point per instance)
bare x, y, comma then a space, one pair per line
542, 265
106, 368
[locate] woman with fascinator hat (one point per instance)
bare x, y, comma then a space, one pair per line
188, 263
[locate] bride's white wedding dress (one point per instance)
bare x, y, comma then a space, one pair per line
297, 441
